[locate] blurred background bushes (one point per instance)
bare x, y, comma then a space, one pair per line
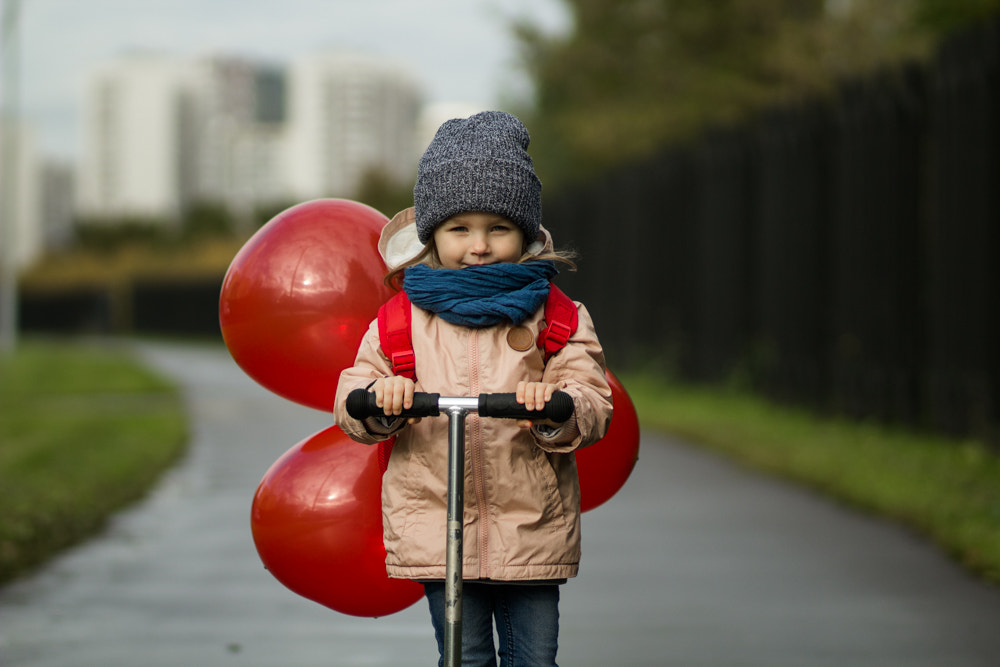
635, 75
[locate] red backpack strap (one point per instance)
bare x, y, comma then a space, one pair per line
561, 321
384, 452
394, 320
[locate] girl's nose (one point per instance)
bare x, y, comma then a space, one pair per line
479, 245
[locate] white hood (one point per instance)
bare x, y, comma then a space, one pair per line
398, 243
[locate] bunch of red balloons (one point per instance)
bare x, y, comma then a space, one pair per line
295, 303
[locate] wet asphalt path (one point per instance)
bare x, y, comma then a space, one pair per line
695, 563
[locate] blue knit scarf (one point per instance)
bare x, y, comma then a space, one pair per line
480, 296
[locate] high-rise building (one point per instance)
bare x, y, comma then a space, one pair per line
236, 112
162, 134
56, 206
21, 217
133, 162
348, 114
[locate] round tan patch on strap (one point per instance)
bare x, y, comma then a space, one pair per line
520, 339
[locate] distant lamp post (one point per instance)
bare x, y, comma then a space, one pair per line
9, 166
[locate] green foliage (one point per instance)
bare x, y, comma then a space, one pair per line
383, 193
199, 222
943, 16
207, 220
264, 213
634, 75
949, 490
109, 235
83, 431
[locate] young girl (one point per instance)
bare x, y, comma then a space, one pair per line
475, 264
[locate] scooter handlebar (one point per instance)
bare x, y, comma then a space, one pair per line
361, 404
505, 406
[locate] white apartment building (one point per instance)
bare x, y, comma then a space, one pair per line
236, 112
133, 163
21, 216
161, 133
348, 114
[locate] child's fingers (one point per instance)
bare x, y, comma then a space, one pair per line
392, 405
528, 395
408, 390
393, 394
534, 399
525, 394
401, 395
534, 395
378, 390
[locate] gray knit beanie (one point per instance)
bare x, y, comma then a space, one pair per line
480, 163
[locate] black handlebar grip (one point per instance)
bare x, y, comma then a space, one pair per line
558, 409
425, 404
361, 404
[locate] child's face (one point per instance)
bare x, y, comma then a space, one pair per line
474, 238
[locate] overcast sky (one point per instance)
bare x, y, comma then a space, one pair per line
460, 50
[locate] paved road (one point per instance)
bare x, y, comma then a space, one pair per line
695, 563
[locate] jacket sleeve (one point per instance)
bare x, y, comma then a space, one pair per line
579, 370
369, 365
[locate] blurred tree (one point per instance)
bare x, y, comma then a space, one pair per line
947, 15
264, 213
206, 219
633, 75
384, 193
110, 234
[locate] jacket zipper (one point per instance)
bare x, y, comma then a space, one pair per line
478, 473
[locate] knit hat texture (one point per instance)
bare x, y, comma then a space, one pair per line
480, 163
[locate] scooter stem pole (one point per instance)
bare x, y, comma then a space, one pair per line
453, 562
362, 404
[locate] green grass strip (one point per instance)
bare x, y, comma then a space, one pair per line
84, 430
945, 489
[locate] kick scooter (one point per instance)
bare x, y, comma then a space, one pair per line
361, 404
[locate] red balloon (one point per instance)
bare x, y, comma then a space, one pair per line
606, 465
317, 525
299, 296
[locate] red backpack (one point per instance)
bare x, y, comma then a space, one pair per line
395, 318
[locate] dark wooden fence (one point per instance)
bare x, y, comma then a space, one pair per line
840, 254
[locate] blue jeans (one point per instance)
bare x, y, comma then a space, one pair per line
527, 622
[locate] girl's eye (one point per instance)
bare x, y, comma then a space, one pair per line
457, 228
501, 228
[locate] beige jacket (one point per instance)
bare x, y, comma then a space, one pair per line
522, 495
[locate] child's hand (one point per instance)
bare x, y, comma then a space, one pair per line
394, 394
534, 396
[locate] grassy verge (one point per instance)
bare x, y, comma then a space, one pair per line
945, 489
84, 430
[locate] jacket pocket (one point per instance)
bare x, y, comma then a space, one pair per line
545, 491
